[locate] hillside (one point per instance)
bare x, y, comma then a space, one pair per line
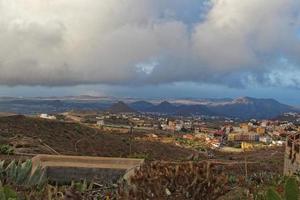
76, 139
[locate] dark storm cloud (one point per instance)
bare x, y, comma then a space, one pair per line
228, 42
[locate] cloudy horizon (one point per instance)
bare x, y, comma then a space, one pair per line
195, 48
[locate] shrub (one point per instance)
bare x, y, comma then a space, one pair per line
6, 193
6, 149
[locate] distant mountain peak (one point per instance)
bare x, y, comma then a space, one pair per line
165, 103
120, 107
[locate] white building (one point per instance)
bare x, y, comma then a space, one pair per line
46, 116
100, 123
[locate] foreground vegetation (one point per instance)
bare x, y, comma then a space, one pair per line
154, 180
174, 178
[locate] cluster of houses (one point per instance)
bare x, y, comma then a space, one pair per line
268, 132
246, 135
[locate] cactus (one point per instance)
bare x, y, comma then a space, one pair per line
291, 191
272, 195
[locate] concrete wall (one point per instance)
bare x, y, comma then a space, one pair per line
99, 175
63, 169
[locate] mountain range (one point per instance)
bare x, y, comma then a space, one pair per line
243, 107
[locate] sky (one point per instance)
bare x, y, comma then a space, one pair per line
151, 48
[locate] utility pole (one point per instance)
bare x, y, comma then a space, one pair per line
130, 139
246, 166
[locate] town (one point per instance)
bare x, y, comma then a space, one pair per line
224, 134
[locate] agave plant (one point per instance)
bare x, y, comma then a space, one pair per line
18, 173
291, 191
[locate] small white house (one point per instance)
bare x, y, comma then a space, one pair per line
100, 123
46, 116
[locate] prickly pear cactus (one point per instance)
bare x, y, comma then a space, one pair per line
291, 189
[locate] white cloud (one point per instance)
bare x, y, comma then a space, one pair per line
62, 42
